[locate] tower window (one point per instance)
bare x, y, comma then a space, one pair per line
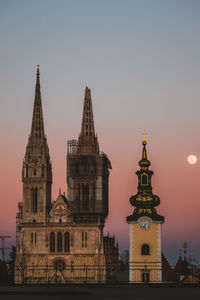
34, 172
34, 196
85, 195
67, 242
31, 237
59, 242
144, 178
52, 242
26, 171
145, 250
84, 239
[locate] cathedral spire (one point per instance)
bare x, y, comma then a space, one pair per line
37, 129
88, 143
37, 143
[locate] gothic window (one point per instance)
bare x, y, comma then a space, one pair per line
34, 172
34, 196
93, 195
145, 250
52, 242
31, 237
144, 179
84, 239
67, 242
79, 191
35, 237
85, 195
59, 242
42, 170
59, 265
26, 171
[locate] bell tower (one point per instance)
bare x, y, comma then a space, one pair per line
145, 228
87, 171
36, 171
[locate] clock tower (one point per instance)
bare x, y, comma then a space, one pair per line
145, 228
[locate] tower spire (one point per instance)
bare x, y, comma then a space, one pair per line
37, 128
145, 201
37, 142
88, 143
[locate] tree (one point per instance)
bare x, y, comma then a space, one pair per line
12, 263
124, 257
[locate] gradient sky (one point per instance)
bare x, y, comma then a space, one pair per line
141, 61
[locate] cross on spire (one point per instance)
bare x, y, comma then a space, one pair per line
144, 135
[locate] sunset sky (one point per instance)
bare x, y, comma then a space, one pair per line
141, 60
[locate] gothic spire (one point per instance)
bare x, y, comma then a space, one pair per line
37, 143
37, 129
88, 143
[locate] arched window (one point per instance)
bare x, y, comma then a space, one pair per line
52, 242
85, 195
34, 196
59, 265
59, 242
145, 250
67, 242
144, 179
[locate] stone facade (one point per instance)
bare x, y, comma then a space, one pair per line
62, 241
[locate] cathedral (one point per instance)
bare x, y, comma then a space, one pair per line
63, 240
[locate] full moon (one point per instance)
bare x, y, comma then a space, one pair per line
192, 159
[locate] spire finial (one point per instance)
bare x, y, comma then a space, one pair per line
144, 135
38, 71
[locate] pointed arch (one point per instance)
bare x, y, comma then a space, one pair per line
34, 197
52, 242
67, 241
59, 242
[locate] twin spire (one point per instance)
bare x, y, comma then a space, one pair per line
88, 143
37, 129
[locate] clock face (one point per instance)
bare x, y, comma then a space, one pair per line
145, 225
